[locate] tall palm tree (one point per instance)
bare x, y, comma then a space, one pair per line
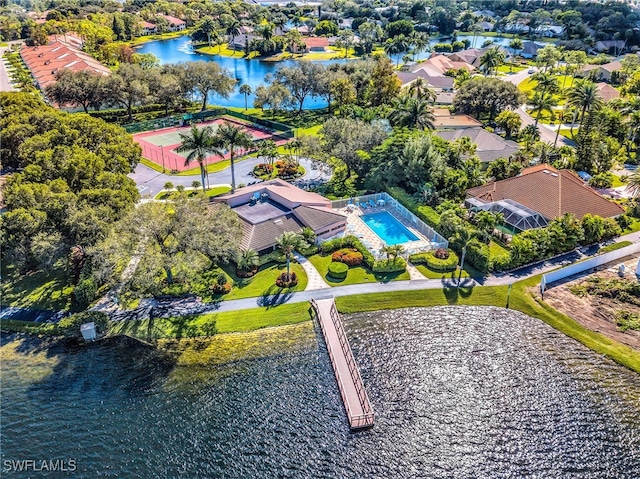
265, 31
462, 237
491, 60
412, 113
233, 29
232, 138
207, 26
633, 183
200, 144
418, 41
542, 101
530, 134
420, 88
584, 96
246, 90
288, 242
516, 45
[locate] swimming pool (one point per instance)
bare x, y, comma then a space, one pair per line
389, 229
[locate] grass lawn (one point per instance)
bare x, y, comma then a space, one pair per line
633, 227
510, 68
161, 36
213, 323
356, 274
616, 182
153, 166
566, 132
262, 283
212, 192
224, 51
431, 274
50, 291
497, 250
211, 167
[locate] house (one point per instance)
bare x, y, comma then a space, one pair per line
471, 56
609, 46
538, 195
550, 31
530, 49
148, 28
45, 61
438, 65
489, 145
316, 44
175, 24
486, 26
607, 92
268, 209
600, 72
484, 13
436, 82
239, 42
445, 120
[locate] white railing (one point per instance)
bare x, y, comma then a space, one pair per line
586, 265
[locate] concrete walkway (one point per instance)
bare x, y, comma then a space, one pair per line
414, 273
315, 279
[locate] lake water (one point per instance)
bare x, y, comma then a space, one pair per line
457, 392
251, 72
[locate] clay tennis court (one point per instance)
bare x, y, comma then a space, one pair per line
159, 145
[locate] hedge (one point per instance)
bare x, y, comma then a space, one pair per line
395, 265
478, 256
425, 213
349, 242
338, 270
436, 264
70, 326
273, 257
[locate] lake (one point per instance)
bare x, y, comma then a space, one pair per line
458, 392
251, 72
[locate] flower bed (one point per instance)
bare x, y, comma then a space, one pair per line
449, 263
283, 282
348, 256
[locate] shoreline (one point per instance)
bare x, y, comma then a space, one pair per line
522, 298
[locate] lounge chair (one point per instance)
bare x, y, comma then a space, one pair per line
372, 204
364, 205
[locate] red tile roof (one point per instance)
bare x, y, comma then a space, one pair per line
316, 42
173, 20
45, 61
550, 192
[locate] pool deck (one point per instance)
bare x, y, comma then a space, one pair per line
357, 227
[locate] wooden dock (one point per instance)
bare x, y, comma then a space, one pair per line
354, 396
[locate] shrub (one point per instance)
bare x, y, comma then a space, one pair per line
262, 169
348, 256
478, 256
500, 263
273, 257
601, 180
441, 265
283, 282
84, 293
221, 288
441, 253
349, 242
338, 270
396, 265
70, 326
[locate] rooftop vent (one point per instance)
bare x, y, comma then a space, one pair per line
546, 171
278, 221
554, 174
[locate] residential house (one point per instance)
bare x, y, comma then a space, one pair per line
486, 26
175, 24
45, 61
550, 31
436, 82
471, 56
529, 49
268, 209
609, 46
312, 44
538, 195
489, 145
600, 72
240, 42
445, 120
439, 64
607, 92
148, 28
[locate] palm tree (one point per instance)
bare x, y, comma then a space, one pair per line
584, 96
633, 183
386, 249
233, 29
265, 31
462, 237
207, 26
396, 250
542, 101
200, 145
246, 90
491, 60
516, 45
231, 138
418, 41
288, 242
247, 260
412, 113
420, 88
530, 134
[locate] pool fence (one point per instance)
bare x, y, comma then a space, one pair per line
391, 203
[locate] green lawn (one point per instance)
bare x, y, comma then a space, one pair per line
496, 249
262, 283
617, 182
633, 227
566, 132
211, 167
431, 274
212, 192
356, 274
511, 68
213, 323
160, 36
51, 291
153, 166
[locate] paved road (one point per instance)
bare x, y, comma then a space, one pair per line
5, 83
150, 182
547, 134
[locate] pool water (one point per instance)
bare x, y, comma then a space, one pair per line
388, 228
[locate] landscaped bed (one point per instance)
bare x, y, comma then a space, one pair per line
355, 275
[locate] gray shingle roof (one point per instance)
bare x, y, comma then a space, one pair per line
490, 145
316, 218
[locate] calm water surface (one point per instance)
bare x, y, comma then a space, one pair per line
458, 393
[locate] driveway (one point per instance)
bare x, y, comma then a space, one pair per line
150, 182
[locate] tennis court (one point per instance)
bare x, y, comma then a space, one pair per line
159, 145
